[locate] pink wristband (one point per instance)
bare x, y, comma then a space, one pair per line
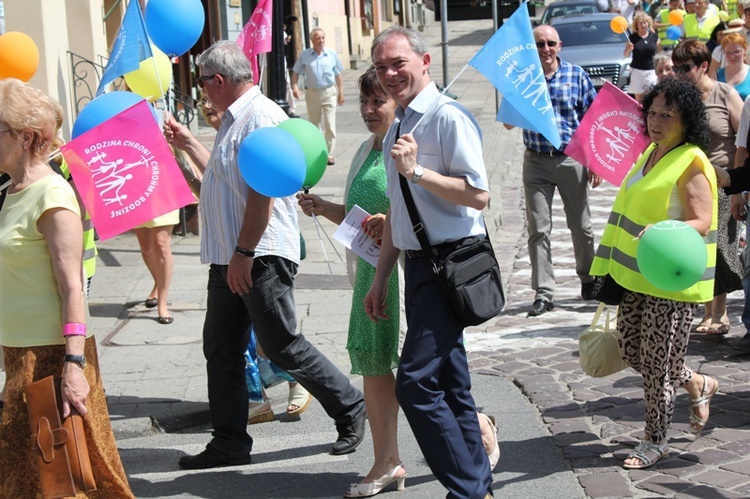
74, 329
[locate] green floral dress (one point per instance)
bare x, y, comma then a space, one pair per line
373, 347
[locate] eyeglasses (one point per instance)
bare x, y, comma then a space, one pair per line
6, 131
203, 79
549, 43
683, 68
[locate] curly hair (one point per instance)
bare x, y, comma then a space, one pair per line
687, 98
27, 108
641, 16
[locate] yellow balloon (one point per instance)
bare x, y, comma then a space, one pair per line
153, 77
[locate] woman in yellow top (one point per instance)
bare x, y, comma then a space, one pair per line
43, 309
672, 179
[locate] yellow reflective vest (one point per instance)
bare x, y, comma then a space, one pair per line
662, 32
646, 202
89, 245
690, 22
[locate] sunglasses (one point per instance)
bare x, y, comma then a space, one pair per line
549, 43
683, 68
203, 79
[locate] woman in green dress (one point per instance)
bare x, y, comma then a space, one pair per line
373, 348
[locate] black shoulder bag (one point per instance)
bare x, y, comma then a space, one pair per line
466, 269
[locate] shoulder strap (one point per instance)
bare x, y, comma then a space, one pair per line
416, 223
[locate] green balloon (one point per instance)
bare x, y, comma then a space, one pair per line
313, 145
672, 255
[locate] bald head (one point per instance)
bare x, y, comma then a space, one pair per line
548, 45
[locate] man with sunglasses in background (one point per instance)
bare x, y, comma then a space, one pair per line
252, 245
546, 168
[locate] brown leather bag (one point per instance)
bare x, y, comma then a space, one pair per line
60, 445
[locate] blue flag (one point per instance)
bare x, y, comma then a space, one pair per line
510, 61
130, 48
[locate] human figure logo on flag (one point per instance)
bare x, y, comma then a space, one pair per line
125, 172
510, 61
611, 135
255, 37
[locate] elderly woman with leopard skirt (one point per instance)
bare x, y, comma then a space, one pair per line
671, 180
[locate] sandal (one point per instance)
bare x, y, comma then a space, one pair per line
718, 329
703, 325
260, 413
697, 423
494, 454
299, 398
644, 452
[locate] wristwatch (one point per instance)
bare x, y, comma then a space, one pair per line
76, 359
417, 174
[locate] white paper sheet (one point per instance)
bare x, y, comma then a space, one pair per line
351, 234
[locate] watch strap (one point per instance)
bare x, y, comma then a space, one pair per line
78, 359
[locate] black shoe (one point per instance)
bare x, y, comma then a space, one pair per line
540, 307
350, 436
744, 344
587, 290
212, 457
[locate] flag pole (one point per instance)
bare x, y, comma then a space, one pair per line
439, 96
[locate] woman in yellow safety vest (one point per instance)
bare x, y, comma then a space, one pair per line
672, 179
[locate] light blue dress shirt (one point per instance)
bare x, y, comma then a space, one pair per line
320, 70
450, 142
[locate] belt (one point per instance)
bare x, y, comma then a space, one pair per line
414, 254
551, 153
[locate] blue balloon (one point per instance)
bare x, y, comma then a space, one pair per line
674, 33
174, 25
272, 162
103, 108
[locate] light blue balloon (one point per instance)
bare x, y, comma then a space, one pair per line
174, 25
272, 162
103, 108
674, 33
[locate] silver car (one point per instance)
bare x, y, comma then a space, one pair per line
589, 42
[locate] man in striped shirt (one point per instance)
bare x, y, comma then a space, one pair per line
252, 245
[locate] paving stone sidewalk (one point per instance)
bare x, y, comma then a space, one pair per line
595, 422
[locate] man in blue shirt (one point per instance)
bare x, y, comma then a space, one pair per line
546, 168
439, 159
323, 85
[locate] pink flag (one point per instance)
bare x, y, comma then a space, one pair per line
255, 37
611, 135
125, 172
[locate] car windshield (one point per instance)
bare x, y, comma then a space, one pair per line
588, 33
568, 10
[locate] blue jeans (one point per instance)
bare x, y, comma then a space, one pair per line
269, 309
433, 387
